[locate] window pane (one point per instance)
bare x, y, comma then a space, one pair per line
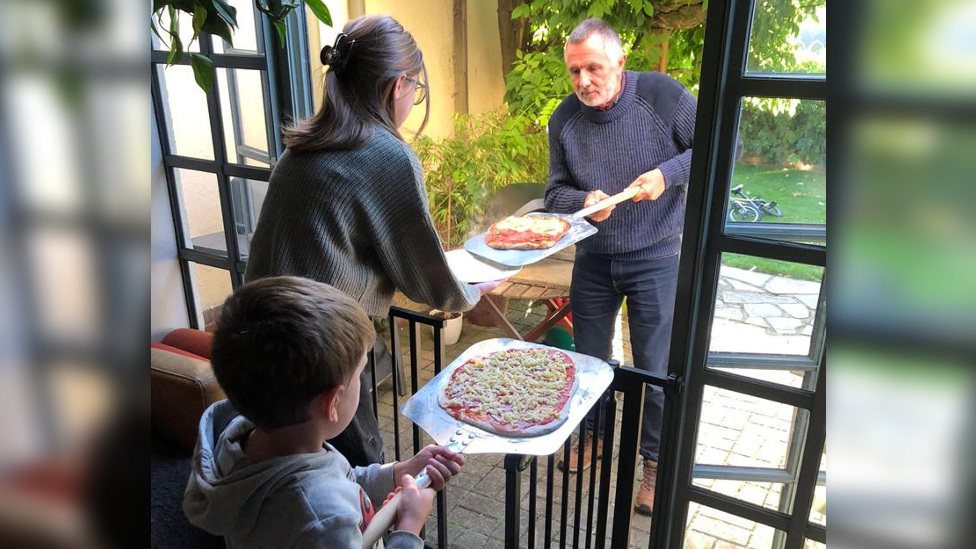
50, 177
200, 208
66, 296
211, 286
187, 118
245, 35
788, 37
899, 239
82, 399
781, 175
818, 512
916, 48
244, 116
810, 544
744, 431
708, 527
767, 309
764, 494
248, 199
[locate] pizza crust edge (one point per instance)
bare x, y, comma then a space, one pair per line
534, 431
539, 244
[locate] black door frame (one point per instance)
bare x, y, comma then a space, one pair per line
724, 83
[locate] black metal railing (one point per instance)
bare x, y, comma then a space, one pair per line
631, 384
593, 485
414, 321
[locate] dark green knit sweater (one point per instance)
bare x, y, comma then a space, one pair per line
357, 220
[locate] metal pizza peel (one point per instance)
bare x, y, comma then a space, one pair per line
579, 229
593, 375
472, 269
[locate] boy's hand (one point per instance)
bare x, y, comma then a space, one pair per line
441, 464
415, 505
392, 494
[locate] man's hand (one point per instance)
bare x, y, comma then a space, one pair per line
441, 464
415, 506
650, 185
593, 198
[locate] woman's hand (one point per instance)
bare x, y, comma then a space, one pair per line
487, 287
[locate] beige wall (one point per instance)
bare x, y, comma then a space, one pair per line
319, 35
431, 22
486, 83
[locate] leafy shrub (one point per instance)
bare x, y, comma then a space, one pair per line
486, 153
784, 131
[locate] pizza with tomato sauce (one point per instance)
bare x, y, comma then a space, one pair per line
515, 392
529, 232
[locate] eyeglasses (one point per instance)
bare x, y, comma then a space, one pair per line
421, 90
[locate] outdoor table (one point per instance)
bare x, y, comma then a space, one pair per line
547, 281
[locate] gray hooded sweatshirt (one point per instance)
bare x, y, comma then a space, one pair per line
304, 500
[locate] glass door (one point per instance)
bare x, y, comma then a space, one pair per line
219, 146
750, 321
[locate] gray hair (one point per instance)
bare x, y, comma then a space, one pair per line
611, 40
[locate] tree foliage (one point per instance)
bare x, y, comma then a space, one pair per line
784, 131
663, 35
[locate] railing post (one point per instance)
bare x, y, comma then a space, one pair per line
514, 465
414, 322
627, 465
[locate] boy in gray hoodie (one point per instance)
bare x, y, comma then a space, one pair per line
289, 353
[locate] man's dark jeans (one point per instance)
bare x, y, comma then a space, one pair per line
599, 286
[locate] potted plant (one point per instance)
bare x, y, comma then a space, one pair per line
452, 325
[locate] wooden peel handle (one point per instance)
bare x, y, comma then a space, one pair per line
384, 518
607, 202
382, 521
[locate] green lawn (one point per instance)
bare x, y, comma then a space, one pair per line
802, 195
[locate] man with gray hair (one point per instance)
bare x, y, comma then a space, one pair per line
622, 130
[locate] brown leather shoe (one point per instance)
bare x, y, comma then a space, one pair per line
587, 453
645, 494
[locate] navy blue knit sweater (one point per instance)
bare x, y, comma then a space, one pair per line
651, 126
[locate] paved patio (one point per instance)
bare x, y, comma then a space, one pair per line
754, 312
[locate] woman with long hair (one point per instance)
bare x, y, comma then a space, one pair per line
346, 204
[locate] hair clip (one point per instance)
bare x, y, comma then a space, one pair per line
337, 55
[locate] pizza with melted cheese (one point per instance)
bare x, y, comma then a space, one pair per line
529, 232
515, 392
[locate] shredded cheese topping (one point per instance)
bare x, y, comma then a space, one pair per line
514, 388
542, 225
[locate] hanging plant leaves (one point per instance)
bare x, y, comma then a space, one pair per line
225, 11
203, 70
176, 45
218, 18
320, 10
282, 31
219, 27
199, 18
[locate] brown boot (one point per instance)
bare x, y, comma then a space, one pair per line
645, 494
574, 466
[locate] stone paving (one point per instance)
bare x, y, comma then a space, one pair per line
754, 312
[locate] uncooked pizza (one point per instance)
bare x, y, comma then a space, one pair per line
515, 392
529, 232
